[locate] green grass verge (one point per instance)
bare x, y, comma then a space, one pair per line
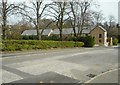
19, 45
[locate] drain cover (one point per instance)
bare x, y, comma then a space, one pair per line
91, 75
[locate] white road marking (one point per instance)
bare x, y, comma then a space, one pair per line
16, 56
52, 53
9, 77
101, 75
52, 64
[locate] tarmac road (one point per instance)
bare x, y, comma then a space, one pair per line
109, 76
73, 65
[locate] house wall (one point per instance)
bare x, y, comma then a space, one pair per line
105, 39
96, 34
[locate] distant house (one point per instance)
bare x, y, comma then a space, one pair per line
34, 32
98, 32
100, 35
48, 32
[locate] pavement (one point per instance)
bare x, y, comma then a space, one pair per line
72, 65
109, 76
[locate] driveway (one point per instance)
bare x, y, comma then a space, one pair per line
73, 65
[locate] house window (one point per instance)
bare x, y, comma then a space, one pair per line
100, 41
100, 35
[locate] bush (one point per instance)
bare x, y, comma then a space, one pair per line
115, 41
29, 37
52, 37
8, 48
79, 44
88, 41
18, 45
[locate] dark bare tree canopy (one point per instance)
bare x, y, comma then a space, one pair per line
42, 15
6, 10
34, 13
58, 12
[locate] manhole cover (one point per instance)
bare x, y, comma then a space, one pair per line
91, 75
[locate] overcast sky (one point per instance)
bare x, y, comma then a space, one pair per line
108, 7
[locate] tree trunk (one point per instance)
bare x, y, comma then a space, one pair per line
74, 15
74, 32
4, 28
81, 28
61, 36
4, 16
38, 34
37, 26
78, 25
82, 24
4, 32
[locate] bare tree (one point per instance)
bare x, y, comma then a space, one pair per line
73, 16
18, 28
7, 9
84, 7
81, 15
34, 12
58, 11
110, 25
111, 21
98, 17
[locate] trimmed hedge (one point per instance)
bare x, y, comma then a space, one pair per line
34, 37
29, 37
18, 45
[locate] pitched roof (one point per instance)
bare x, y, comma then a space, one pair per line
34, 32
56, 31
103, 28
100, 28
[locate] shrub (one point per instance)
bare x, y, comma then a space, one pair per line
88, 41
18, 45
8, 48
115, 41
79, 44
52, 37
25, 37
29, 37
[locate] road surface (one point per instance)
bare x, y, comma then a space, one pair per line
73, 65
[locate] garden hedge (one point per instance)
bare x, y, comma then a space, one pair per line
18, 45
